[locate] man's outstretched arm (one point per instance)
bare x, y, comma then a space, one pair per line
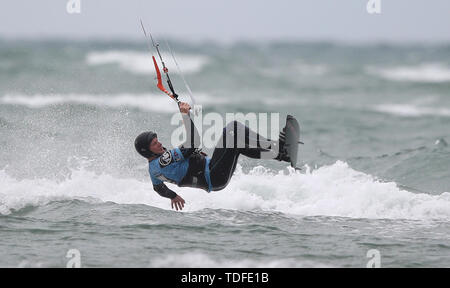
164, 191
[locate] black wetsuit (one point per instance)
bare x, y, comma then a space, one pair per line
236, 139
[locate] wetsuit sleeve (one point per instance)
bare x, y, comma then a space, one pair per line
164, 191
192, 137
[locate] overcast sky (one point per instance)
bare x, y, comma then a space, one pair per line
230, 20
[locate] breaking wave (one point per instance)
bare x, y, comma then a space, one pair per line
335, 190
427, 73
141, 62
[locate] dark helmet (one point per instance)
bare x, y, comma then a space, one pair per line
142, 144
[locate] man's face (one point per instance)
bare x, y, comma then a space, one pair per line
156, 147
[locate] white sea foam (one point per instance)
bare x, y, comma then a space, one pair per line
140, 62
335, 190
198, 260
411, 110
427, 73
146, 102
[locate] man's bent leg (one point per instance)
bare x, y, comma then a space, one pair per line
236, 139
222, 166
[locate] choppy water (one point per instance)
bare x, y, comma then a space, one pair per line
375, 121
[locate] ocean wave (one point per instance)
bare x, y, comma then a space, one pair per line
141, 62
426, 73
146, 102
410, 110
297, 68
335, 190
198, 260
301, 68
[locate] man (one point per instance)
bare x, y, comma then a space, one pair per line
186, 166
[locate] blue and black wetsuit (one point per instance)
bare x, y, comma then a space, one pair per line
187, 167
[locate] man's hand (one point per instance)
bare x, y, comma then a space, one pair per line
184, 107
178, 202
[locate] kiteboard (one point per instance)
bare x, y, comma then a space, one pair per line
292, 139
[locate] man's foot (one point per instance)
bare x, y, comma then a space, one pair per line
282, 152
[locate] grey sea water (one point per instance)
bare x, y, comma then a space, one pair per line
375, 120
